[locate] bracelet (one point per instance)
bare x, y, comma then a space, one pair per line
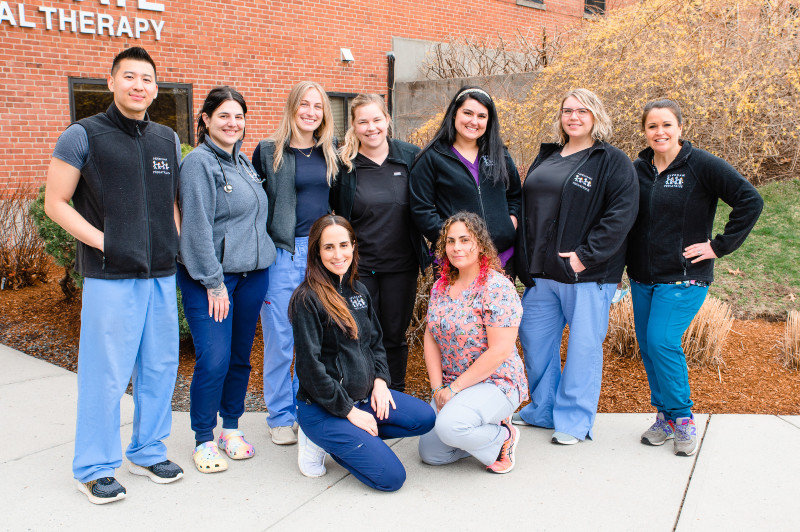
437, 390
452, 390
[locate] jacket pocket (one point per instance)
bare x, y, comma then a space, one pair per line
125, 247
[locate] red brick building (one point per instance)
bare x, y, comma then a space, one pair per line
56, 54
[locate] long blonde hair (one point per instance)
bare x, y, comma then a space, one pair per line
349, 149
287, 128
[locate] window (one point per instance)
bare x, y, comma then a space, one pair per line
594, 7
173, 107
538, 4
340, 107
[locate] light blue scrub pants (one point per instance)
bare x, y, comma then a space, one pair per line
564, 400
662, 313
279, 388
129, 330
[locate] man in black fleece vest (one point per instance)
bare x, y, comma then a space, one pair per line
121, 172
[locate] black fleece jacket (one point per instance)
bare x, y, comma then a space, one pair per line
127, 190
598, 206
441, 185
343, 194
335, 370
677, 210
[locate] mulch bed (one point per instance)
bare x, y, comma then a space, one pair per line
38, 321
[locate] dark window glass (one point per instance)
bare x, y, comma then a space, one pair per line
340, 108
173, 107
594, 7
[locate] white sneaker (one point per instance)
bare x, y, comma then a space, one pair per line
283, 435
310, 456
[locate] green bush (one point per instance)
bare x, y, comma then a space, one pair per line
58, 244
61, 246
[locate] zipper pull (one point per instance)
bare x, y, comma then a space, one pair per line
138, 133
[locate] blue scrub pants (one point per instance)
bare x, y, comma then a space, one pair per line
129, 330
564, 400
222, 349
662, 313
369, 459
285, 275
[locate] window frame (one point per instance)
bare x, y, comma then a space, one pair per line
75, 80
592, 7
346, 96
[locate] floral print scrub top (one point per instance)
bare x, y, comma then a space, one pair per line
459, 327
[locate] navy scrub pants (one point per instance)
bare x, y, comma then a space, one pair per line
222, 349
367, 457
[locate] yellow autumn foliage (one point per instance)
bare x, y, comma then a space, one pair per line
734, 67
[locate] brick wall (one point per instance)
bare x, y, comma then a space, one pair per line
261, 47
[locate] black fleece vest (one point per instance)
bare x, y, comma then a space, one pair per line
127, 190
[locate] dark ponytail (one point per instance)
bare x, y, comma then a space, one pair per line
215, 98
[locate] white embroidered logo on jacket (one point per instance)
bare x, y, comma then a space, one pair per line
358, 302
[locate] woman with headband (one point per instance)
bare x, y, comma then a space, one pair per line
466, 167
224, 255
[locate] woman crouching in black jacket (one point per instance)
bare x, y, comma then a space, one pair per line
344, 405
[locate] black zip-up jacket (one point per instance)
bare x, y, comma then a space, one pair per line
677, 210
127, 190
343, 193
335, 370
598, 207
441, 185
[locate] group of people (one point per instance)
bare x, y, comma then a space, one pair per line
324, 238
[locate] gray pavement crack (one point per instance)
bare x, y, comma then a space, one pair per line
691, 473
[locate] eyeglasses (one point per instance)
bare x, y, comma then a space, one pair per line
582, 111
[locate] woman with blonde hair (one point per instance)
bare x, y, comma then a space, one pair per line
298, 164
579, 200
371, 192
474, 369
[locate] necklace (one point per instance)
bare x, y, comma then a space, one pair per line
306, 155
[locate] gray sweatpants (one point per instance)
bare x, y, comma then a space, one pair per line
468, 425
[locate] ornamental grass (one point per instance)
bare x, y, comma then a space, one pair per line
791, 342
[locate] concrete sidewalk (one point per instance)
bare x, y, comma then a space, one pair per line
746, 476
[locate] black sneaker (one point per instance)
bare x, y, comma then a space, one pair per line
160, 473
102, 490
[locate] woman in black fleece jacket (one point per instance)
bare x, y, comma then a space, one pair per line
344, 405
671, 258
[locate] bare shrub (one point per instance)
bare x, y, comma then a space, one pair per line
621, 333
735, 70
416, 330
483, 55
791, 342
23, 260
703, 340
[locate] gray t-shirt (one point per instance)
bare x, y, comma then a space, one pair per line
72, 146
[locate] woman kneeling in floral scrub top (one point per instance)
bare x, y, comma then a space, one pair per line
475, 371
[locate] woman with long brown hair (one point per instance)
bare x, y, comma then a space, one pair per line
344, 405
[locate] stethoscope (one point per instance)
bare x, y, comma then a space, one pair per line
228, 188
